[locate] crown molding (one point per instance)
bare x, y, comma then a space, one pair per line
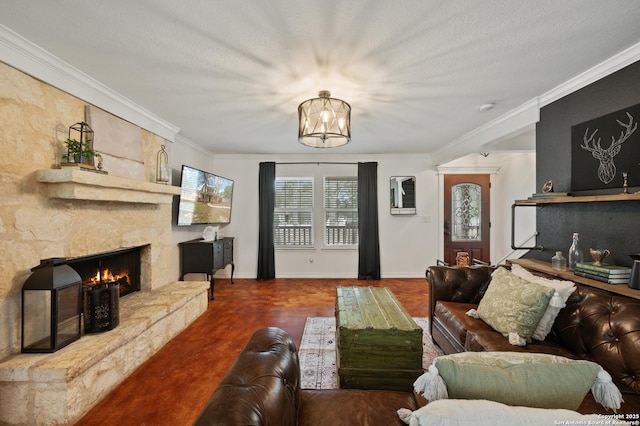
31, 59
179, 139
526, 115
509, 124
593, 74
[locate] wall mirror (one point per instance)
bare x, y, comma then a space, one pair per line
403, 195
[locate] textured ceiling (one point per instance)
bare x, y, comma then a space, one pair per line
230, 74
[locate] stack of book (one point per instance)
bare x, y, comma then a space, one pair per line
548, 195
611, 274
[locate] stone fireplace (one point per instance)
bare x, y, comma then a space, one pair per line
67, 213
92, 219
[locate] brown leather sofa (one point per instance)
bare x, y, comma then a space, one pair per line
595, 325
262, 387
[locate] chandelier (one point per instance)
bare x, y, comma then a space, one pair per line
324, 122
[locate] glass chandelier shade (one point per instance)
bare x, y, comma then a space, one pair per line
324, 122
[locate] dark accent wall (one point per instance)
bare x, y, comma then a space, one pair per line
611, 225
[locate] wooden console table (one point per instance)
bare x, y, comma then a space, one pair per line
206, 257
545, 268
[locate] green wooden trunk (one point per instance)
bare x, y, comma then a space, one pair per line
379, 345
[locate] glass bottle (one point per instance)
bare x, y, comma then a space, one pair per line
559, 262
575, 254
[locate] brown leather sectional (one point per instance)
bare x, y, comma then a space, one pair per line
595, 325
262, 387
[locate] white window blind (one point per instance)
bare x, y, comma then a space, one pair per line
341, 211
293, 212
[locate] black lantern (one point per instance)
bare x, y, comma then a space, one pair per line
51, 307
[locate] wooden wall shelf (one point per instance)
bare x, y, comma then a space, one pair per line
545, 268
581, 199
539, 201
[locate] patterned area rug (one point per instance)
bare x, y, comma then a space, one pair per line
318, 352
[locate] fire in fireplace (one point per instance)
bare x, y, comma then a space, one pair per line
105, 278
120, 268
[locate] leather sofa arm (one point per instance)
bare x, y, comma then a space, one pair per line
464, 284
262, 387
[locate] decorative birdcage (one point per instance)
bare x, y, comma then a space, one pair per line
79, 146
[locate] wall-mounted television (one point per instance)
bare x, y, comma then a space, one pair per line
205, 198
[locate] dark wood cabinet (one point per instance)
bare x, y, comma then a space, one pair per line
206, 257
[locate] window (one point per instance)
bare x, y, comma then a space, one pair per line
341, 211
293, 212
466, 211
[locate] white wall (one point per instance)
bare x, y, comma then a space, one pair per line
515, 181
407, 244
512, 178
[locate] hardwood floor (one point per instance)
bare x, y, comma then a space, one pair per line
173, 386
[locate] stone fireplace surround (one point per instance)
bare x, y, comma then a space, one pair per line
59, 388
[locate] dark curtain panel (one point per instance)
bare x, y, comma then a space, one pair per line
266, 202
369, 245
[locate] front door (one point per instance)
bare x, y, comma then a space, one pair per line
466, 217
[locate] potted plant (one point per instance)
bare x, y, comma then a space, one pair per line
77, 152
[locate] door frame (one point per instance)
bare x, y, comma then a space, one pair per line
444, 170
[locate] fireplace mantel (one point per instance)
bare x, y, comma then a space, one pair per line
75, 184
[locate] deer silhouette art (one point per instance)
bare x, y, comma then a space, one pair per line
607, 169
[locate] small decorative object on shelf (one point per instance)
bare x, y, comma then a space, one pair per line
163, 171
575, 254
210, 233
100, 165
599, 255
548, 192
634, 279
625, 185
79, 145
559, 262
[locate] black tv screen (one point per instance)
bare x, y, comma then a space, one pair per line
205, 198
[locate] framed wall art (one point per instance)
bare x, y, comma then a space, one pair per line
603, 149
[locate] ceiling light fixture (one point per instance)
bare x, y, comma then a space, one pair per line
324, 122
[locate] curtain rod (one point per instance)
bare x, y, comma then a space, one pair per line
319, 162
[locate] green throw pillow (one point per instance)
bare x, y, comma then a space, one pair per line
515, 378
514, 305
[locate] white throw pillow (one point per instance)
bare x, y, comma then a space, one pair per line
563, 289
482, 412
